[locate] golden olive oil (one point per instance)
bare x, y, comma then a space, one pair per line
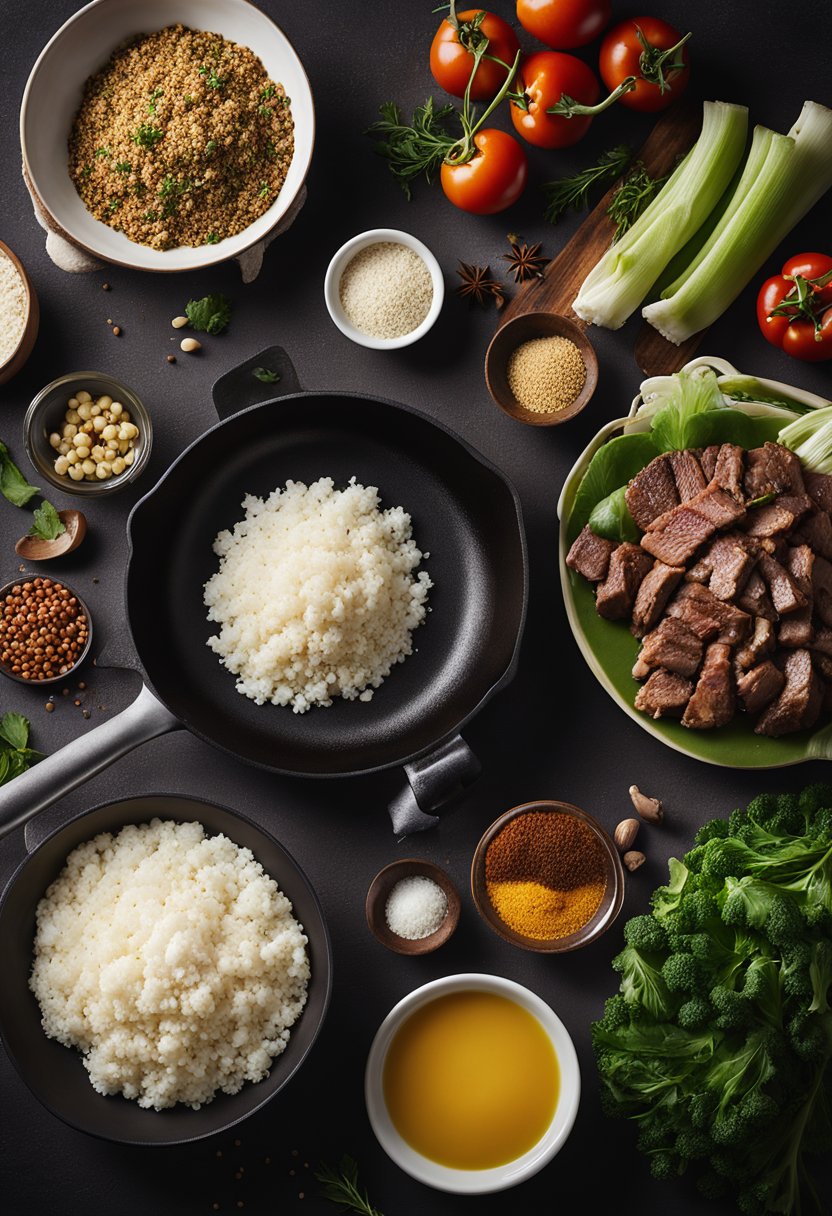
471, 1080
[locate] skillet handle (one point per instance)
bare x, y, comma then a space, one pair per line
433, 782
74, 764
240, 388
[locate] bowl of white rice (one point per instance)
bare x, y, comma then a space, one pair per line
19, 314
167, 969
384, 289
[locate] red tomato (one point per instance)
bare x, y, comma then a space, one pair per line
452, 60
804, 330
623, 55
564, 24
492, 180
545, 78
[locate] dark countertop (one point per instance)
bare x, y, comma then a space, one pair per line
553, 733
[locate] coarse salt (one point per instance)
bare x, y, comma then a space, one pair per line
13, 308
415, 908
386, 290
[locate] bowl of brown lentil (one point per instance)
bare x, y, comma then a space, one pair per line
45, 631
541, 369
547, 877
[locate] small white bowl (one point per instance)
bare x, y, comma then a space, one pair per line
473, 1182
339, 263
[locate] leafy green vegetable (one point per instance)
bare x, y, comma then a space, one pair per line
265, 375
613, 465
46, 523
573, 192
810, 438
719, 1041
693, 395
210, 315
13, 485
611, 518
341, 1186
15, 754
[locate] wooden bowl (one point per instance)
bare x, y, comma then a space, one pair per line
23, 349
611, 900
380, 889
35, 549
523, 329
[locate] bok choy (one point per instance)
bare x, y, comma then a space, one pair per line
810, 438
619, 282
784, 176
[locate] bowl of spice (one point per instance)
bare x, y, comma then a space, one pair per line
541, 369
547, 877
45, 631
384, 289
20, 314
412, 906
87, 433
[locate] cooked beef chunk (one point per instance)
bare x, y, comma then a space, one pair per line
784, 592
823, 665
732, 560
712, 703
761, 642
700, 571
616, 594
823, 640
709, 618
651, 492
772, 469
770, 520
675, 536
759, 686
755, 598
798, 504
816, 531
822, 588
798, 705
728, 470
687, 473
665, 695
797, 628
672, 645
708, 459
590, 555
653, 594
819, 487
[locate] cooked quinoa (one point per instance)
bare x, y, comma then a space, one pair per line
181, 139
171, 960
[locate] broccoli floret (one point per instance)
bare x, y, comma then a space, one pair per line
732, 1010
809, 1038
820, 976
645, 933
814, 799
725, 859
794, 972
684, 973
784, 925
617, 1012
758, 1108
693, 1144
702, 1107
664, 1165
761, 808
716, 829
652, 1135
694, 1014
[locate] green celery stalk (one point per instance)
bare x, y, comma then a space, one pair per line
810, 438
768, 201
619, 282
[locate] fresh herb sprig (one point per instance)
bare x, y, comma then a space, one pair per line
572, 193
634, 194
46, 522
13, 485
210, 315
265, 375
341, 1186
147, 136
15, 754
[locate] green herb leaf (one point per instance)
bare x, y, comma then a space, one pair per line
209, 315
46, 523
573, 192
634, 194
341, 1186
265, 375
612, 466
123, 166
611, 518
147, 136
14, 730
13, 485
268, 92
417, 150
212, 238
154, 97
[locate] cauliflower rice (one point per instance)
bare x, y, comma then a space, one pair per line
315, 594
171, 960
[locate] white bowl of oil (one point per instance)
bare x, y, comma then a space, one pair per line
472, 1084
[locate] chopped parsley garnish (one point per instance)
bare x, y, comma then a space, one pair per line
264, 191
268, 92
147, 135
264, 111
123, 166
210, 147
214, 80
101, 152
154, 97
212, 238
151, 216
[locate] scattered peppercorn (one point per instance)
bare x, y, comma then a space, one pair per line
50, 705
85, 713
43, 630
81, 684
116, 330
105, 286
171, 358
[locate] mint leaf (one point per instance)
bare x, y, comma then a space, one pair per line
265, 375
46, 523
209, 315
13, 485
14, 730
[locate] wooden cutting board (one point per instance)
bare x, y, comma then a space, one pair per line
673, 135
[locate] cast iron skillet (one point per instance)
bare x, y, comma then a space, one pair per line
465, 513
54, 1073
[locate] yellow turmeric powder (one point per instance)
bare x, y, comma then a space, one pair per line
537, 911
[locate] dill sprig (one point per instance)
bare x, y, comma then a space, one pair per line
341, 1186
416, 150
634, 194
573, 192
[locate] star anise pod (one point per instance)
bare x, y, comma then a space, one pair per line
477, 285
525, 261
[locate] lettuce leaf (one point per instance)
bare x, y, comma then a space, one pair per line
611, 518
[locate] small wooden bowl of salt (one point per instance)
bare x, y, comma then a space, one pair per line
541, 369
412, 906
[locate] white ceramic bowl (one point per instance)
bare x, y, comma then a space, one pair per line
473, 1182
83, 45
339, 263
